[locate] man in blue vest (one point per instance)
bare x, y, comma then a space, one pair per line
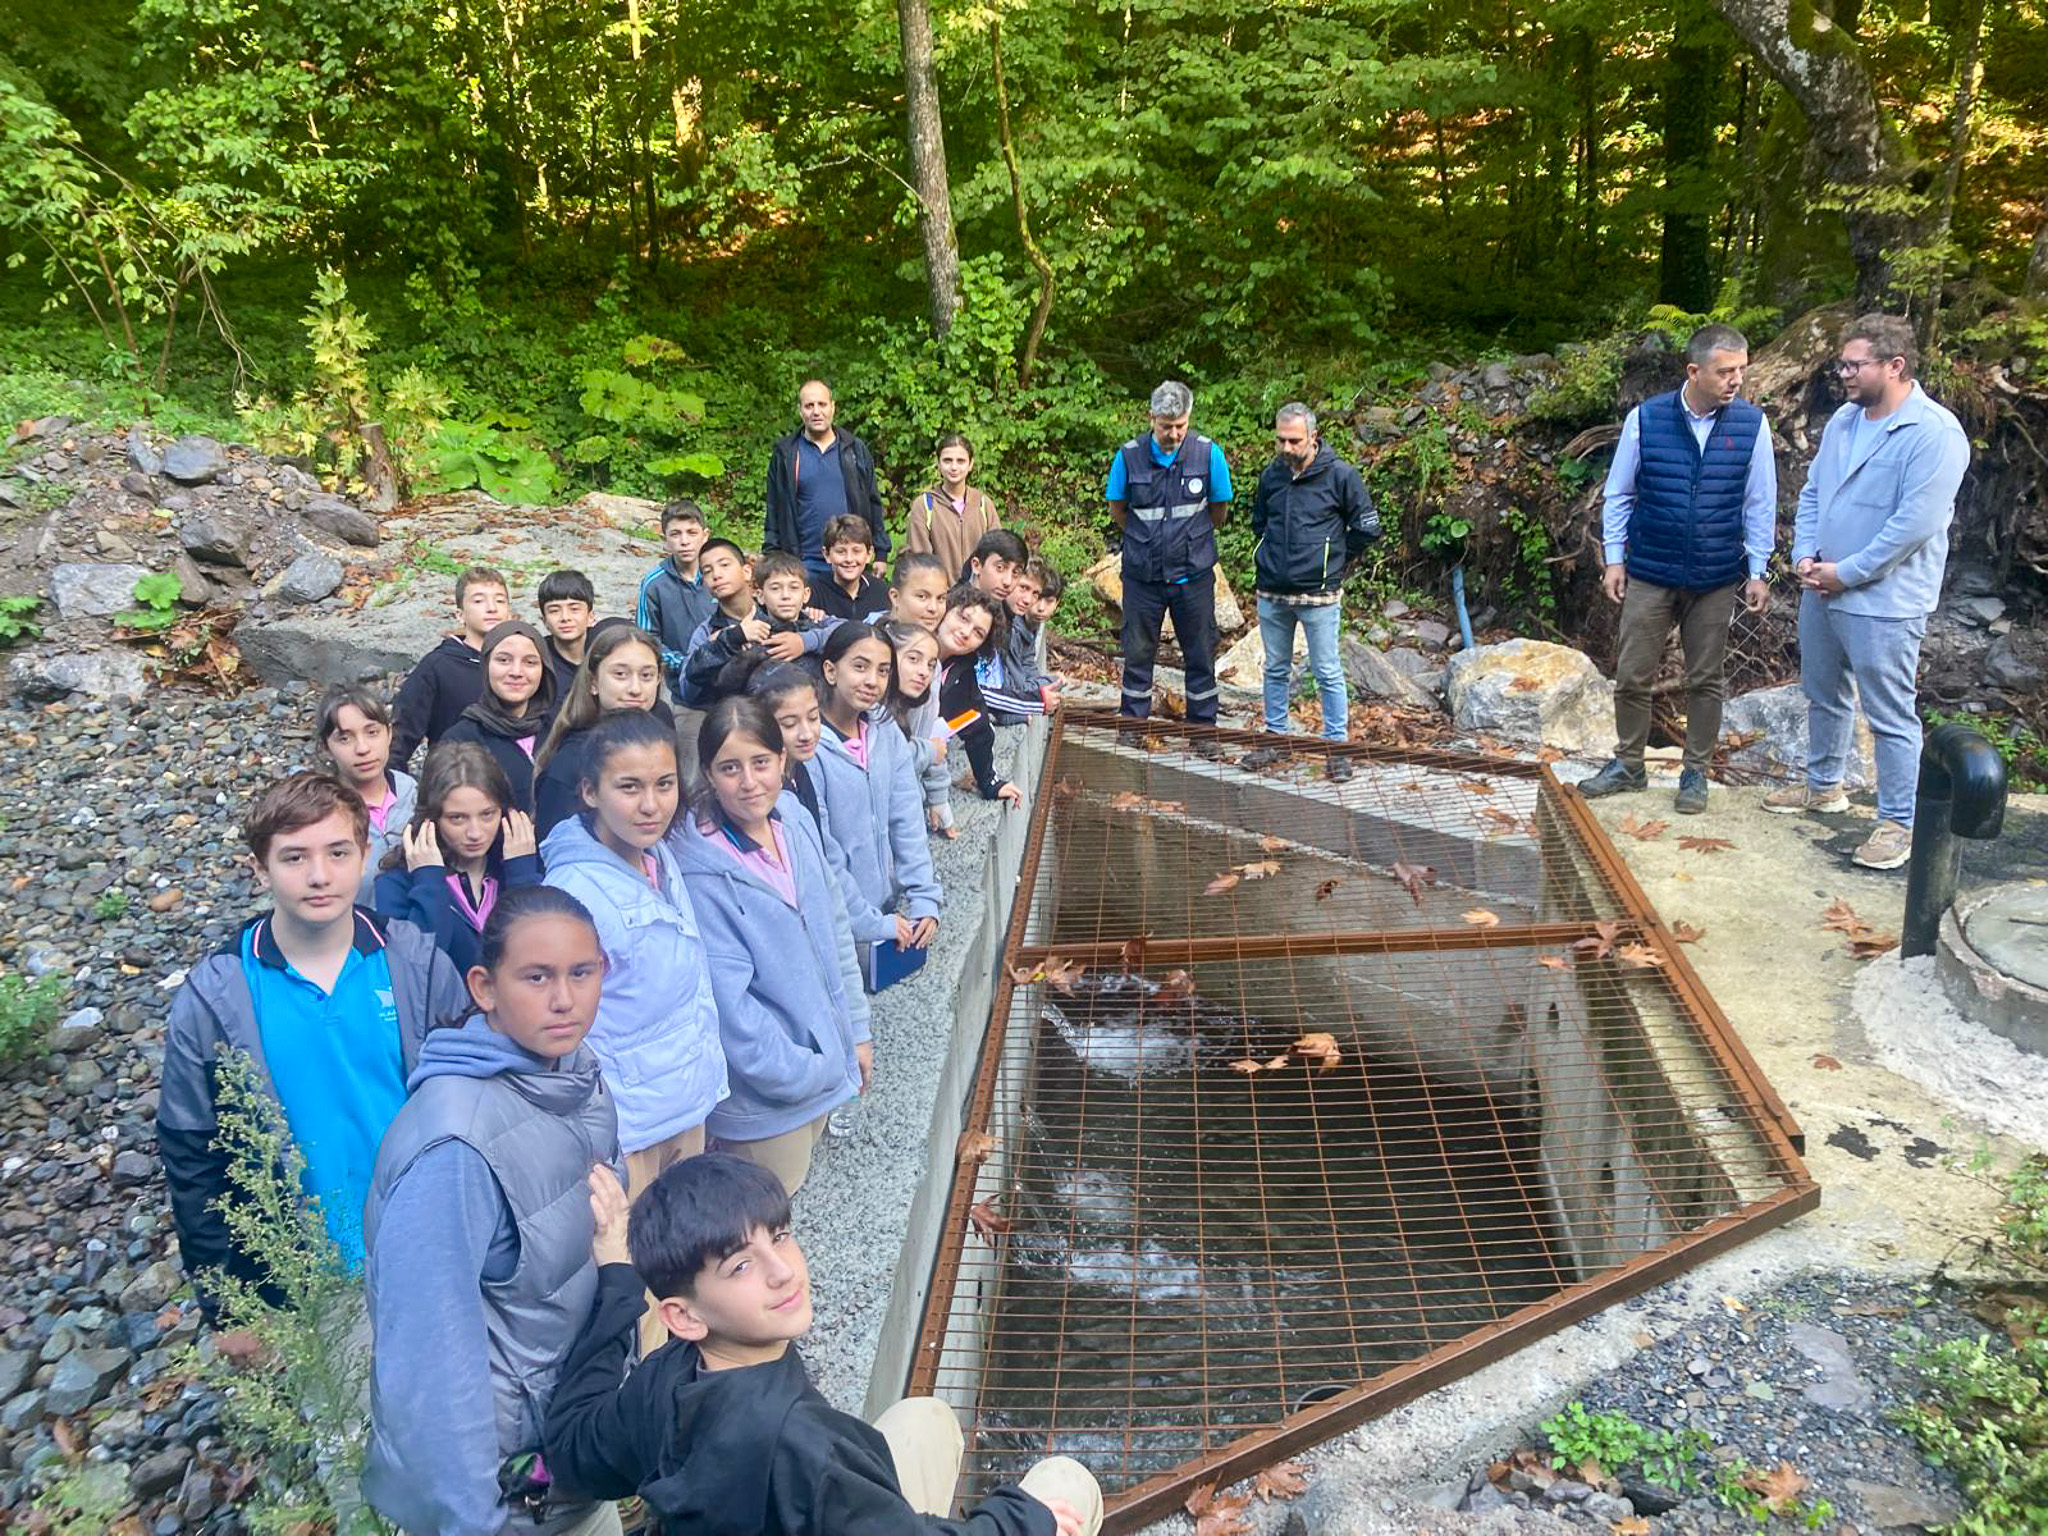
1692, 506
1169, 492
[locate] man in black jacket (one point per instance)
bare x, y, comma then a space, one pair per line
1312, 517
815, 474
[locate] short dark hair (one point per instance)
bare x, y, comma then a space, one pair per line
340, 697
480, 576
682, 510
300, 800
722, 543
909, 564
700, 1212
1701, 346
779, 562
1889, 336
1000, 541
967, 595
1050, 582
847, 528
567, 587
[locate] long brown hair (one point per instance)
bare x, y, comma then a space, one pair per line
450, 766
579, 710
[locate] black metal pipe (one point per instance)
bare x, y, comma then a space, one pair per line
1961, 794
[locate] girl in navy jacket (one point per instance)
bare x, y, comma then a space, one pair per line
466, 844
795, 1046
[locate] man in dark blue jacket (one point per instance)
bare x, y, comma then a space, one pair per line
1312, 518
815, 474
1692, 506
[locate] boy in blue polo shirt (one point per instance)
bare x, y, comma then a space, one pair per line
328, 1001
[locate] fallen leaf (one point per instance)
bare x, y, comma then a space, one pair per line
1640, 956
1642, 831
1318, 1050
989, 1222
1281, 1482
1259, 869
1705, 844
1475, 786
1841, 917
67, 1441
1167, 807
1062, 973
1554, 962
1685, 933
1598, 944
1066, 789
1413, 878
1869, 945
1591, 1473
1223, 882
1154, 743
975, 1147
1133, 954
1175, 985
1326, 890
1634, 1525
1826, 1064
1778, 1488
1865, 942
1216, 1513
1479, 917
1272, 845
1126, 800
1249, 1066
1024, 975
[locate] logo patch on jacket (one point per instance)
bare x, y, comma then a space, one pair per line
1195, 485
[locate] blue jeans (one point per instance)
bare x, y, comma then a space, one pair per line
1276, 633
1881, 657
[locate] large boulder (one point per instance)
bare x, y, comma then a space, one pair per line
1776, 719
340, 519
218, 538
42, 677
309, 578
1106, 576
1374, 673
1244, 664
1531, 690
195, 461
94, 590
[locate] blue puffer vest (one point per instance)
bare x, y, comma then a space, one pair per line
1686, 529
1167, 532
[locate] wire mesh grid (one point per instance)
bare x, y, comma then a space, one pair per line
1245, 1155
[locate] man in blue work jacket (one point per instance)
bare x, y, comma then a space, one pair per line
1691, 506
1869, 546
1169, 491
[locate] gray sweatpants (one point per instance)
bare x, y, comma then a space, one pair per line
1881, 658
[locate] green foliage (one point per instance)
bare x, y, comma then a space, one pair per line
497, 453
156, 603
2025, 754
113, 903
1983, 1413
27, 1010
1617, 1441
17, 618
84, 1501
298, 1409
644, 422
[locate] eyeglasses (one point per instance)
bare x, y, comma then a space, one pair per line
1849, 366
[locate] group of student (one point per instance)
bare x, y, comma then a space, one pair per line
618, 938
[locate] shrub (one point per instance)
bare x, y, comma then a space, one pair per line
27, 1010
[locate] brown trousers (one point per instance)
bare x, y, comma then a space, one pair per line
1647, 616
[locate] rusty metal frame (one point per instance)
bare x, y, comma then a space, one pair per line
1780, 1134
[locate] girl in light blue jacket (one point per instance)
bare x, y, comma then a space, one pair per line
795, 1046
872, 800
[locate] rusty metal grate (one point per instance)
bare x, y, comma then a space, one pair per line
1186, 1237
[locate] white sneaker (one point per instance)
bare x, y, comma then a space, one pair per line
1798, 799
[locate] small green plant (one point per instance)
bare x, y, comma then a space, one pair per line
84, 1501
27, 1010
497, 453
156, 603
1614, 1440
113, 903
17, 620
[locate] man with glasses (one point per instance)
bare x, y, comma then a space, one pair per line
1691, 507
1869, 546
1312, 518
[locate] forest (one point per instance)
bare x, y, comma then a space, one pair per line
543, 247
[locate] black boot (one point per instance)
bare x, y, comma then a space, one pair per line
1614, 779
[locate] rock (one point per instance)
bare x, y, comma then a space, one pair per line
1412, 663
215, 538
1776, 717
1431, 632
2008, 668
1106, 576
132, 1168
330, 514
139, 485
83, 1377
1979, 610
622, 512
16, 1367
82, 1076
1650, 1498
148, 1291
97, 674
1892, 1508
1531, 690
76, 1032
23, 1410
1841, 1387
1244, 664
309, 578
93, 590
1372, 673
195, 461
1496, 376
195, 587
160, 1473
142, 456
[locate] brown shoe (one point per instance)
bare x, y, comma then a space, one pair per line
1796, 799
1887, 847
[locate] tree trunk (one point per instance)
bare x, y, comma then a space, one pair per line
1685, 275
1969, 37
1043, 311
2037, 265
928, 164
1820, 67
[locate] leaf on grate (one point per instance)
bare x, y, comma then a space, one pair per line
1642, 831
1259, 869
1323, 892
1133, 954
1227, 881
1273, 844
975, 1148
1176, 985
1413, 878
1061, 973
1475, 786
1826, 1064
1281, 1482
1554, 962
1249, 1066
989, 1222
1066, 789
1598, 944
1479, 917
1685, 933
1319, 1051
1779, 1488
1216, 1513
1505, 822
1641, 956
1126, 800
1155, 743
1024, 975
1705, 844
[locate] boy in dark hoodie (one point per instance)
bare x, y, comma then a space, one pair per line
720, 1430
449, 678
568, 608
761, 604
327, 1000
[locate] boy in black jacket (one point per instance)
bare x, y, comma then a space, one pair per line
450, 677
720, 1430
761, 604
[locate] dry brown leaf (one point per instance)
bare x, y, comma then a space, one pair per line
1779, 1488
67, 1441
1061, 973
1066, 789
1272, 844
1282, 1482
1641, 956
1227, 881
1126, 800
1413, 878
1642, 831
1323, 892
1826, 1064
1841, 917
1705, 844
1591, 1473
1868, 945
1133, 954
1319, 1051
1598, 944
1259, 869
1154, 743
1175, 985
1216, 1513
1634, 1525
1554, 962
975, 1148
1475, 786
1865, 942
1250, 1066
1479, 917
989, 1222
1024, 975
1685, 933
